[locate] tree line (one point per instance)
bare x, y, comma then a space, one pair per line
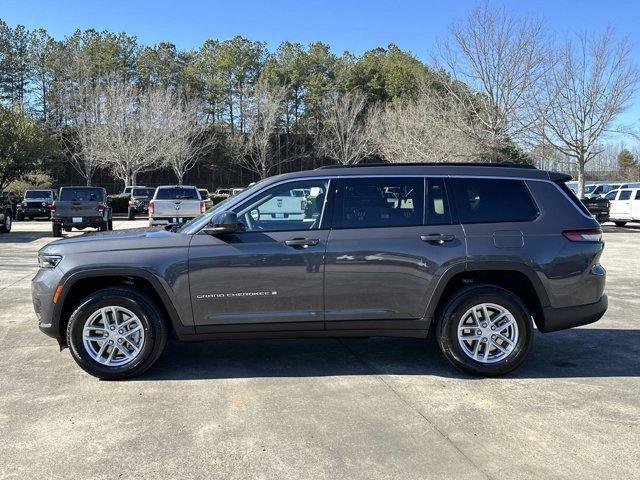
498, 89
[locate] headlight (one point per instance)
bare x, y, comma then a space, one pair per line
46, 260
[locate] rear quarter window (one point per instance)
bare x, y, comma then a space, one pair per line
485, 200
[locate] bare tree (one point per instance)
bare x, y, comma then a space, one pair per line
346, 136
424, 130
82, 104
501, 58
254, 149
590, 84
132, 136
187, 138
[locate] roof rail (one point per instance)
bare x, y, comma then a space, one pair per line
434, 164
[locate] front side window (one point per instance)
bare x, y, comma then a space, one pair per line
625, 195
381, 202
485, 200
637, 195
611, 195
287, 206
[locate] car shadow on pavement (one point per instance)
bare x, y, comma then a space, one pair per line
23, 236
584, 352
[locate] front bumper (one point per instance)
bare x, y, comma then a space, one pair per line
568, 317
43, 286
35, 211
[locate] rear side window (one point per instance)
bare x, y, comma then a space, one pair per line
177, 193
637, 194
625, 195
438, 212
82, 194
484, 200
380, 202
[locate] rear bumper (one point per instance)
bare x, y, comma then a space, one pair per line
569, 317
168, 220
86, 222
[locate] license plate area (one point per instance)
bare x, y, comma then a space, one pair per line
76, 219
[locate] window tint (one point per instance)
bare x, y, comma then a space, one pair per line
177, 193
85, 194
611, 195
490, 200
37, 194
625, 195
637, 195
288, 206
376, 202
438, 212
143, 192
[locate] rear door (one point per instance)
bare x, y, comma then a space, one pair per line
391, 239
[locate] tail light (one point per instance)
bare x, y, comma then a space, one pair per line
202, 207
101, 207
592, 235
151, 207
52, 208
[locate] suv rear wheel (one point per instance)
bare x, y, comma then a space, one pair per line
485, 330
620, 224
116, 333
6, 226
56, 230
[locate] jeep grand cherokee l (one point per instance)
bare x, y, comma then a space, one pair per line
476, 254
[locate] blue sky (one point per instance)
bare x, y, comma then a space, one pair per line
354, 26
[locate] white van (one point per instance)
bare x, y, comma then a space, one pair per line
624, 206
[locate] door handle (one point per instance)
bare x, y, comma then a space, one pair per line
438, 238
302, 242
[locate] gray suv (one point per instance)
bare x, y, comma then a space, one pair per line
477, 254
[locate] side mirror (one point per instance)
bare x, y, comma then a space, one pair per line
223, 222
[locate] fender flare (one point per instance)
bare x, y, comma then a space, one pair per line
72, 277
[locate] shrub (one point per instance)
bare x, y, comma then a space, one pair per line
120, 203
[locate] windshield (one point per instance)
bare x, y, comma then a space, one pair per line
38, 194
143, 192
85, 194
177, 193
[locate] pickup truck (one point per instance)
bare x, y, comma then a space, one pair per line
174, 205
81, 207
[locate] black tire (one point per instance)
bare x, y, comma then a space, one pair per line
151, 318
56, 229
110, 224
463, 300
7, 223
104, 226
29, 217
131, 213
620, 224
20, 216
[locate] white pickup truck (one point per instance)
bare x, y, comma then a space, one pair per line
624, 206
174, 205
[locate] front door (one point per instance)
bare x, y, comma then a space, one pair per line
269, 274
389, 240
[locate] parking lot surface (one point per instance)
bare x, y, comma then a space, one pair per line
292, 409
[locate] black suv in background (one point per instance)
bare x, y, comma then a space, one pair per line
139, 201
6, 213
36, 203
477, 254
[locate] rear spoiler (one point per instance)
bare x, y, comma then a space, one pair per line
559, 177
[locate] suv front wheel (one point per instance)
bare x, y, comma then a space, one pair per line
485, 330
116, 333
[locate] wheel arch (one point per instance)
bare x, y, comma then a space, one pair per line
518, 278
77, 285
